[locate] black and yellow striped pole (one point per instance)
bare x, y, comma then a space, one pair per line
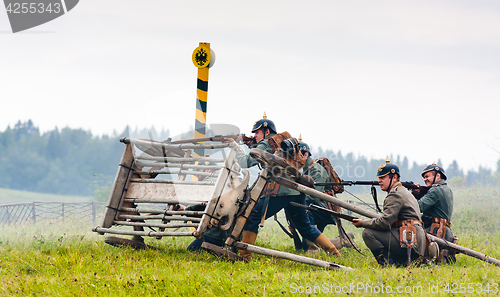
203, 59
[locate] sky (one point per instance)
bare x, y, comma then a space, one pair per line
410, 78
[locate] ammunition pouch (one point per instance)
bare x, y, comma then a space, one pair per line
407, 232
272, 188
438, 227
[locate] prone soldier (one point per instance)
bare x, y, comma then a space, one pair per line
397, 237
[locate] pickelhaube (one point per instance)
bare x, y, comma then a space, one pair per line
434, 167
387, 168
264, 123
304, 147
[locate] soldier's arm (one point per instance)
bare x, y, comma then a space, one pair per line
319, 176
392, 206
246, 161
429, 200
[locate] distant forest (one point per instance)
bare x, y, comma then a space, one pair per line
75, 162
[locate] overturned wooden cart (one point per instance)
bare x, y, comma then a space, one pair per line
155, 178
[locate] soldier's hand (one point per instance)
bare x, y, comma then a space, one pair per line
227, 140
179, 207
357, 222
250, 142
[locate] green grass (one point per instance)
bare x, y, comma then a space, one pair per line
8, 196
70, 260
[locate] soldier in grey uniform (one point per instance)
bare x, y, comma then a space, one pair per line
382, 234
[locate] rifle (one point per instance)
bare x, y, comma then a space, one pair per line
249, 141
418, 192
316, 208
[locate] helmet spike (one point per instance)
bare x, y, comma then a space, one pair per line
300, 137
265, 116
387, 161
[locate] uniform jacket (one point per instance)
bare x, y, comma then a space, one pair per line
246, 161
438, 202
398, 204
319, 174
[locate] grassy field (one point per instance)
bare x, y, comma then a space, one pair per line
70, 260
8, 196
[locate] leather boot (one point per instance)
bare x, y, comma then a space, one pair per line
323, 242
250, 238
339, 242
311, 247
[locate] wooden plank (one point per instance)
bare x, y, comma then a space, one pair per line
140, 233
123, 174
182, 176
221, 185
169, 193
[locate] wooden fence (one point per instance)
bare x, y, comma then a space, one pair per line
35, 212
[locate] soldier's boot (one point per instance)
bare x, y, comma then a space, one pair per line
382, 257
250, 238
312, 248
138, 238
433, 250
323, 242
339, 242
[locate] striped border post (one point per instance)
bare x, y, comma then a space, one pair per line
203, 58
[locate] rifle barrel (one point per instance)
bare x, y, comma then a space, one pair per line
313, 207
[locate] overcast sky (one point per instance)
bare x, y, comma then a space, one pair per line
411, 78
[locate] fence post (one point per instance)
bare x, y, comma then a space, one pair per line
8, 214
93, 212
33, 212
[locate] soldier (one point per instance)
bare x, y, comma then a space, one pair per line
263, 129
400, 215
319, 219
278, 198
437, 204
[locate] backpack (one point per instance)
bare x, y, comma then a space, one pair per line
334, 177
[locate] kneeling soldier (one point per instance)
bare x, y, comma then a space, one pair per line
396, 237
437, 206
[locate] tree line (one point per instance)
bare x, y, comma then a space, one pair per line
75, 162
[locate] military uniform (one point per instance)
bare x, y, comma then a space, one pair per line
269, 205
381, 235
437, 203
320, 175
282, 200
212, 235
318, 219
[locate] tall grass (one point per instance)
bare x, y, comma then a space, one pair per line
70, 260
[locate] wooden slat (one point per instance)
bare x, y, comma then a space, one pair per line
117, 190
169, 193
